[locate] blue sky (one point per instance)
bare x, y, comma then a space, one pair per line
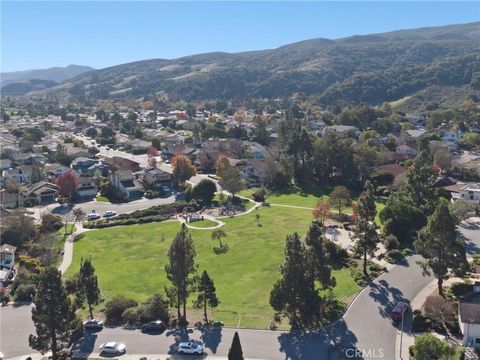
100, 34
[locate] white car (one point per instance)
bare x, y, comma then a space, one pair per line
93, 216
109, 213
190, 348
113, 347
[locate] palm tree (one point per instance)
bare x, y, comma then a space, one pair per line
217, 235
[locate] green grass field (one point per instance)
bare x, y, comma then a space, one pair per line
130, 260
101, 198
203, 223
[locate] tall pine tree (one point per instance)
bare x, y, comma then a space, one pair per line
181, 265
53, 314
207, 294
440, 246
294, 294
87, 285
318, 256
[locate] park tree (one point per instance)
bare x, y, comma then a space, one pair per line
294, 294
207, 295
156, 142
440, 246
78, 216
365, 158
53, 314
321, 212
365, 232
204, 191
18, 230
318, 255
181, 266
222, 165
429, 347
217, 235
91, 132
67, 185
235, 352
183, 169
421, 178
13, 187
231, 181
87, 285
340, 198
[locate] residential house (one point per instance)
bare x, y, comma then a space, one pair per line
19, 174
415, 134
5, 164
347, 130
10, 200
82, 164
156, 178
127, 184
75, 151
137, 146
101, 168
43, 192
56, 169
395, 170
405, 150
120, 163
86, 188
469, 319
7, 264
471, 193
452, 136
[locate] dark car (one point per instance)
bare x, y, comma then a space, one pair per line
154, 326
399, 310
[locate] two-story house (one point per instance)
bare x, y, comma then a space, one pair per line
469, 319
156, 178
86, 188
470, 192
56, 169
127, 184
81, 164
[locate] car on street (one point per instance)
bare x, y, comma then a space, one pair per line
399, 310
93, 216
93, 324
154, 326
190, 348
113, 347
109, 213
166, 189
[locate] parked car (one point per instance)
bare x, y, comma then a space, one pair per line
93, 324
190, 348
166, 189
399, 310
154, 326
93, 216
109, 213
113, 347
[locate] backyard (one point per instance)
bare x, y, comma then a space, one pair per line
130, 261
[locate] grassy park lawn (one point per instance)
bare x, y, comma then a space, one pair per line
130, 260
203, 223
102, 198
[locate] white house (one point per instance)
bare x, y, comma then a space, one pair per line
469, 319
86, 187
5, 164
470, 192
19, 174
127, 184
55, 170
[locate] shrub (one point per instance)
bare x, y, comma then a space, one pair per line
130, 316
115, 307
25, 292
51, 222
420, 323
336, 253
359, 277
155, 307
259, 195
391, 242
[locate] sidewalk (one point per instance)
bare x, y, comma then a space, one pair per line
38, 356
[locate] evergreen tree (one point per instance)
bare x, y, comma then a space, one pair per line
439, 245
294, 294
207, 294
420, 182
87, 285
365, 232
53, 314
181, 265
370, 200
318, 255
235, 352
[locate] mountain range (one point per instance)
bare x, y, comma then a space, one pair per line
404, 65
22, 82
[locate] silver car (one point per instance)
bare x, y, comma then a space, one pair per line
190, 348
113, 347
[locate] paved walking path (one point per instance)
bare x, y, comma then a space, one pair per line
68, 248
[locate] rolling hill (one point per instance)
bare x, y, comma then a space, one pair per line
370, 68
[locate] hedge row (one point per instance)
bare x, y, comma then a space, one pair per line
154, 214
